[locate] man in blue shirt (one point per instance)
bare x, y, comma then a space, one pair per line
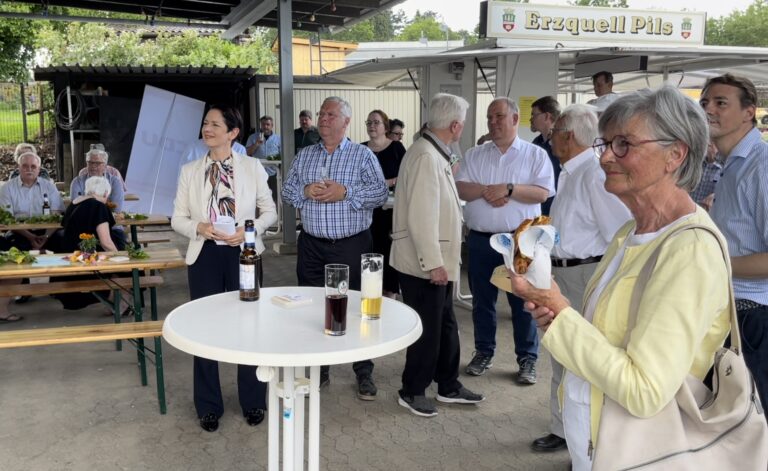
265, 143
544, 113
740, 209
336, 184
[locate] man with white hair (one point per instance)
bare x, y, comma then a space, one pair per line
586, 216
110, 170
426, 251
336, 184
24, 196
22, 148
504, 181
96, 166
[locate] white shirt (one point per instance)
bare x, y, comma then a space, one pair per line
523, 164
585, 215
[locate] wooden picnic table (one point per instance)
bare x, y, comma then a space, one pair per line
152, 220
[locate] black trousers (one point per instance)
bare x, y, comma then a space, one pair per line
217, 270
435, 356
314, 253
753, 324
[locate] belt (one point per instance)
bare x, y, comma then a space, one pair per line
489, 234
746, 304
572, 262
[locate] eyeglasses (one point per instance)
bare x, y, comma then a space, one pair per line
374, 122
325, 114
554, 130
620, 145
396, 134
93, 163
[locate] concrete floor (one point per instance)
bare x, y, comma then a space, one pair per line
81, 407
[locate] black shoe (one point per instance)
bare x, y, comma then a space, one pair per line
209, 422
366, 389
22, 299
549, 443
418, 405
527, 372
460, 396
325, 378
254, 416
480, 362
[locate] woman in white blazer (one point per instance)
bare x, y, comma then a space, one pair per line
223, 183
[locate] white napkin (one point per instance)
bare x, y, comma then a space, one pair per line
535, 243
226, 225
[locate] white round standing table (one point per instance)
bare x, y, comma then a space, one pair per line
223, 328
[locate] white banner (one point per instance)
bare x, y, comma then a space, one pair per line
611, 26
168, 122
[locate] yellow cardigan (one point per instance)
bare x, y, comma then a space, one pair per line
682, 319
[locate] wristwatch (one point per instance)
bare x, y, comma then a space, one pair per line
510, 187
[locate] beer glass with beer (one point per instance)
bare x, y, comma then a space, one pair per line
336, 285
371, 281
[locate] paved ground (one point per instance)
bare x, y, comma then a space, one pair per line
81, 407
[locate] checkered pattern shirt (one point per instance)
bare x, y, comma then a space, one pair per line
709, 176
352, 165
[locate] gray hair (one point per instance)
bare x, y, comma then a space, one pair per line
344, 107
98, 186
669, 115
511, 104
96, 149
28, 153
445, 109
582, 121
22, 148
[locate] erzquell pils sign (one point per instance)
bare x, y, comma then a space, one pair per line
612, 26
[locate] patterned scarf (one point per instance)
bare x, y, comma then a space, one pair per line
220, 181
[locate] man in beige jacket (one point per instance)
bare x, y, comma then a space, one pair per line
426, 245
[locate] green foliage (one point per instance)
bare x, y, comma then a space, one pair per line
16, 256
426, 25
97, 44
17, 39
136, 252
740, 28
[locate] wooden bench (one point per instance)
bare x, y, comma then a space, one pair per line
134, 332
116, 285
145, 241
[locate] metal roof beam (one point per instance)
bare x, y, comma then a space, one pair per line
246, 14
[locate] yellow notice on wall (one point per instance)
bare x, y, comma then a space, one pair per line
526, 104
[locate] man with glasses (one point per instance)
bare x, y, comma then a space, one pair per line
109, 169
504, 182
336, 184
740, 209
96, 166
396, 130
544, 113
586, 216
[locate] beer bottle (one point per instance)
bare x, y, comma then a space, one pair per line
46, 205
250, 266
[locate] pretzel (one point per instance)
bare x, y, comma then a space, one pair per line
520, 261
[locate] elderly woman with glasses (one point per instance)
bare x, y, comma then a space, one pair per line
96, 166
390, 154
651, 150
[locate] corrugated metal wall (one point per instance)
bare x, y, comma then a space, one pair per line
401, 104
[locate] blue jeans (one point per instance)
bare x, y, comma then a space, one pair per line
482, 261
753, 324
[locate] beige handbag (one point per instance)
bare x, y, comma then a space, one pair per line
699, 430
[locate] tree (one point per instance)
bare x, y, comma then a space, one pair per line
740, 28
601, 3
425, 25
17, 39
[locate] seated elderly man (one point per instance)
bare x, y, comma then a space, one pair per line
96, 166
20, 149
110, 170
24, 196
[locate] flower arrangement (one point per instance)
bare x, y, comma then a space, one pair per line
87, 252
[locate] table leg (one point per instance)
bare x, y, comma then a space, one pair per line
135, 236
301, 392
288, 419
313, 453
273, 433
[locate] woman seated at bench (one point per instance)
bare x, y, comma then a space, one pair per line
89, 214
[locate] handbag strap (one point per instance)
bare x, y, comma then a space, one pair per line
647, 270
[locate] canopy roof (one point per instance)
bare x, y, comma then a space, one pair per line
234, 16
